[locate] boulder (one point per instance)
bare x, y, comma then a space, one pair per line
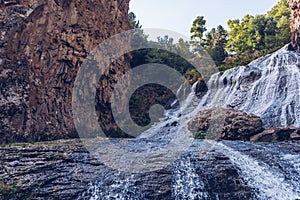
227, 124
277, 134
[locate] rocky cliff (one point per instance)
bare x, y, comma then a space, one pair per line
42, 45
295, 23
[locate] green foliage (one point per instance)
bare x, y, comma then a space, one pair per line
251, 33
139, 38
215, 43
260, 32
247, 39
192, 75
166, 51
200, 135
134, 23
8, 190
244, 58
282, 15
198, 28
280, 9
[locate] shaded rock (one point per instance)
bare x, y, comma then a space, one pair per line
42, 46
295, 27
277, 134
227, 124
201, 88
295, 136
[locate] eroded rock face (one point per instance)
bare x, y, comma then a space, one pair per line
295, 23
227, 124
42, 45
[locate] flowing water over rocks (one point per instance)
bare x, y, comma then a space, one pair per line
268, 87
228, 170
206, 169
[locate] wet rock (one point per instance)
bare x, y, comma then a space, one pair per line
201, 88
295, 136
277, 134
64, 169
226, 124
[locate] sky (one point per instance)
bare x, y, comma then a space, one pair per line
178, 15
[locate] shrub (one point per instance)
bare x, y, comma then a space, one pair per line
200, 135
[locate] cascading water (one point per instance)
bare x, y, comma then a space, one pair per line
187, 183
115, 186
268, 87
182, 114
267, 183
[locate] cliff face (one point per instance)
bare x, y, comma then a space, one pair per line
295, 23
42, 45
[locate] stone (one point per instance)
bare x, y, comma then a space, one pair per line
295, 25
295, 136
226, 124
201, 88
277, 135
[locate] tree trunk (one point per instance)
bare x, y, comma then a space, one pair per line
295, 23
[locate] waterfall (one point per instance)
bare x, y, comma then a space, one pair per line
116, 186
267, 183
183, 113
294, 160
187, 184
268, 87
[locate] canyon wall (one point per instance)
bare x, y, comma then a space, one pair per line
295, 23
42, 45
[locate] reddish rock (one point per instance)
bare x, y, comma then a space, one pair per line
42, 45
295, 23
277, 134
295, 136
227, 124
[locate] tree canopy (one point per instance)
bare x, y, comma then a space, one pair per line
260, 32
246, 39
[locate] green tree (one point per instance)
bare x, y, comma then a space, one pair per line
183, 48
134, 23
282, 15
260, 32
215, 42
198, 28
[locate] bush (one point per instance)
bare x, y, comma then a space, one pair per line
245, 58
200, 135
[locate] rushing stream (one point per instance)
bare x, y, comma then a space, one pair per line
268, 87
